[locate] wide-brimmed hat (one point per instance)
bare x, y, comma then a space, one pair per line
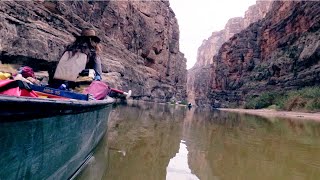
89, 33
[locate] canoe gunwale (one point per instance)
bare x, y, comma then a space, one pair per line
25, 108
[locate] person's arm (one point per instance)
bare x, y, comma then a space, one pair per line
97, 68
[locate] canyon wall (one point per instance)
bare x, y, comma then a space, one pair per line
210, 48
140, 41
278, 53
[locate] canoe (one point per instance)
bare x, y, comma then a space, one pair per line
47, 138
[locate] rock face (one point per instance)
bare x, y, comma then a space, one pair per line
140, 41
210, 48
277, 53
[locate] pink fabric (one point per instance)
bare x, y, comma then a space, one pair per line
98, 89
27, 71
16, 91
5, 82
117, 91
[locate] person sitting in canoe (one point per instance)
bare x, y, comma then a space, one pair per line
82, 54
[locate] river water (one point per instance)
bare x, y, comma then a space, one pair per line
157, 142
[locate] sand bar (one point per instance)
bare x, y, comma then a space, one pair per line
274, 113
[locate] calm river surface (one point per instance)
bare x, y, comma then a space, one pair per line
157, 142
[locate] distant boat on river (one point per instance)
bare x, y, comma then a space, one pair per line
48, 138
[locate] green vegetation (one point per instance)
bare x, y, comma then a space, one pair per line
307, 99
183, 102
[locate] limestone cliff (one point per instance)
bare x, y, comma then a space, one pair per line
140, 41
211, 46
277, 53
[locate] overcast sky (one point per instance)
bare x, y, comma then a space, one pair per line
197, 20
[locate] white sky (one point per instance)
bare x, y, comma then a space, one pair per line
197, 20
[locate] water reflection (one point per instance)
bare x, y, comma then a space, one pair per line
217, 145
150, 136
178, 167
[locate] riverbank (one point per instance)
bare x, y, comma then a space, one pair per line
274, 113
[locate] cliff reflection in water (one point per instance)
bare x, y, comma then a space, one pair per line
178, 167
148, 141
150, 135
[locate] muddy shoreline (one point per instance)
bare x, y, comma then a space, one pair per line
274, 113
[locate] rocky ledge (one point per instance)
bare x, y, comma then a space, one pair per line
140, 41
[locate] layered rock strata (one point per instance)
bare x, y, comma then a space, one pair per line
210, 48
140, 41
277, 53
